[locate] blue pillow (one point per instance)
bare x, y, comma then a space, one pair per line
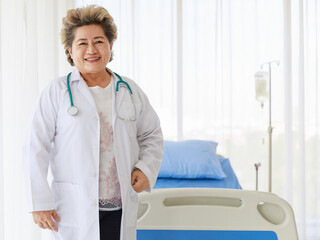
191, 159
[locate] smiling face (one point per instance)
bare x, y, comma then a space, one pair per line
91, 50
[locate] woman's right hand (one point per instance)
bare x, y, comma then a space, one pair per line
44, 219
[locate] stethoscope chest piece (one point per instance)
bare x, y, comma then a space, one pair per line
73, 110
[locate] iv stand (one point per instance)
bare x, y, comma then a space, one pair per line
270, 128
257, 165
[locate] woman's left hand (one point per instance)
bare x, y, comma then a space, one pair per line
139, 180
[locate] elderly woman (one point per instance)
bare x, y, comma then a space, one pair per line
98, 133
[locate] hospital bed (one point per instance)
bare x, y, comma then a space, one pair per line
209, 213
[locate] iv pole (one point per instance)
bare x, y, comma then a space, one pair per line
270, 128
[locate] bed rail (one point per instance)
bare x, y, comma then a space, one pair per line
208, 211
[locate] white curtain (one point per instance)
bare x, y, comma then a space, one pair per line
304, 109
30, 56
196, 61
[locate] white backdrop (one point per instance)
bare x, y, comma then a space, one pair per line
196, 61
30, 56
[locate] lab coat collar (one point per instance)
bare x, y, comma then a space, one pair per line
76, 76
83, 87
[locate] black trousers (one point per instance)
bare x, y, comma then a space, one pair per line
110, 223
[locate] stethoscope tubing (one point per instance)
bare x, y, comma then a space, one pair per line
68, 84
73, 110
121, 81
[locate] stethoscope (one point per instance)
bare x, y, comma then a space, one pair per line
73, 110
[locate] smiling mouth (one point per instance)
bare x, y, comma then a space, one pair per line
92, 59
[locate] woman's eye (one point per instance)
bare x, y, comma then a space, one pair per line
82, 43
99, 41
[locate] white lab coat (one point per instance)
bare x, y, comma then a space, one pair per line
70, 145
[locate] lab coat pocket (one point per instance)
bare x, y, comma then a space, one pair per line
126, 111
66, 197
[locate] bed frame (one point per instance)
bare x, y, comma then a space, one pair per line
209, 213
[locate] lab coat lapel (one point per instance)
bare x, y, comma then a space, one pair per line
114, 113
83, 88
116, 97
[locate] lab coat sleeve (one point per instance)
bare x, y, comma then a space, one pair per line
36, 150
150, 139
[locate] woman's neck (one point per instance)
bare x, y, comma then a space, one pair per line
101, 79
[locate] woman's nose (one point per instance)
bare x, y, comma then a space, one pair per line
91, 48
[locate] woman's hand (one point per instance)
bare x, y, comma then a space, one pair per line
139, 181
44, 219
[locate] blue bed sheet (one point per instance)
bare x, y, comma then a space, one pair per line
231, 181
205, 234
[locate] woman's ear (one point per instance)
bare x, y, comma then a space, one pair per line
70, 51
111, 44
